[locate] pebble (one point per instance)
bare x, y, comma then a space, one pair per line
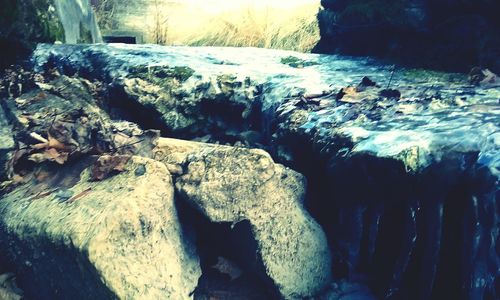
64, 195
140, 170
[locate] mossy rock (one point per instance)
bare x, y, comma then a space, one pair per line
162, 75
296, 62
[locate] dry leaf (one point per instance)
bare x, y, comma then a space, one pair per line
107, 164
54, 143
348, 94
53, 155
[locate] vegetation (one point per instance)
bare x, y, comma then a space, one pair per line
293, 29
296, 62
106, 12
23, 23
173, 23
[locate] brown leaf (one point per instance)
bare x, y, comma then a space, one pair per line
348, 94
107, 164
54, 155
54, 143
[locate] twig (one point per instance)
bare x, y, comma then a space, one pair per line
80, 195
392, 76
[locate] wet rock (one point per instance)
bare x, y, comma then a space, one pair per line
7, 145
181, 106
8, 287
453, 35
234, 185
398, 185
347, 291
120, 238
390, 93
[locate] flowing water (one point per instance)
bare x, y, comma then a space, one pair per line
470, 123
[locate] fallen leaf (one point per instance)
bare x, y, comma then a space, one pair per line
348, 94
54, 143
107, 164
54, 155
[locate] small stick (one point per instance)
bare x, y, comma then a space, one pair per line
80, 195
392, 76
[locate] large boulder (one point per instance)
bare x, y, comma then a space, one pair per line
404, 183
402, 169
453, 35
73, 237
232, 185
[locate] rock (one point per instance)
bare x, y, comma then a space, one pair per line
7, 145
234, 185
8, 287
185, 107
450, 34
56, 120
397, 183
120, 237
347, 291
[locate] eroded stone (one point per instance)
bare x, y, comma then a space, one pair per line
119, 237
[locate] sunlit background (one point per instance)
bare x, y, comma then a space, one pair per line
255, 23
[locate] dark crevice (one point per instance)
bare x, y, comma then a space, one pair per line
119, 106
234, 244
67, 273
426, 235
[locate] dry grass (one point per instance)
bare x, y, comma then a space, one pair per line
292, 29
192, 23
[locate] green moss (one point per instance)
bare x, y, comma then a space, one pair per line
182, 73
424, 75
164, 76
296, 62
